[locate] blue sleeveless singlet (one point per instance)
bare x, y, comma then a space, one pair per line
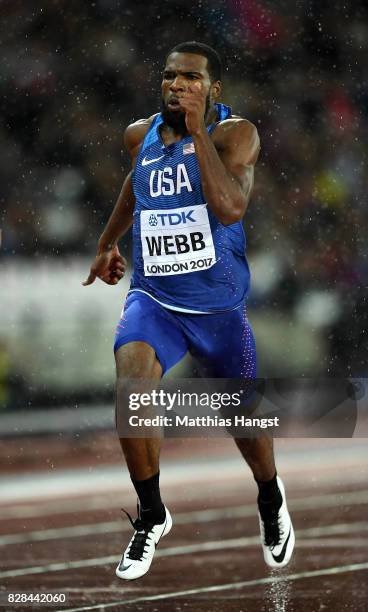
183, 256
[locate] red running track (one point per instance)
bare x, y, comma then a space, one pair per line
61, 529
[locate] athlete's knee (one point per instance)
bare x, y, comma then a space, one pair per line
136, 360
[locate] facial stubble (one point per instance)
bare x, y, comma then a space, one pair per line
176, 119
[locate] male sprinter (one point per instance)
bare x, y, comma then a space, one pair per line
186, 196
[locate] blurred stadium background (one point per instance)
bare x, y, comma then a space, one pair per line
74, 74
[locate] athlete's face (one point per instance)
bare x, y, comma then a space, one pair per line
180, 72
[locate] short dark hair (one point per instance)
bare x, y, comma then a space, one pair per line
213, 59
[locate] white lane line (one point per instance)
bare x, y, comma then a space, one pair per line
201, 516
112, 499
104, 479
108, 479
75, 531
106, 502
328, 571
333, 543
341, 528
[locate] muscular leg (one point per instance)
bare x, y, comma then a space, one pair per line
137, 360
157, 344
138, 367
230, 352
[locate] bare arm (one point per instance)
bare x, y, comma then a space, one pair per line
109, 265
227, 162
228, 174
120, 219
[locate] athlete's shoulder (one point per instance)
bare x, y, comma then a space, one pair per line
238, 138
238, 128
135, 132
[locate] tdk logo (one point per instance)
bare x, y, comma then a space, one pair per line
167, 219
152, 220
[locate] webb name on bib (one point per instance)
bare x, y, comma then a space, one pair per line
176, 241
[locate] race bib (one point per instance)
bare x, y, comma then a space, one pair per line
176, 241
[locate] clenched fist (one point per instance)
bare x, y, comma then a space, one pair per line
193, 102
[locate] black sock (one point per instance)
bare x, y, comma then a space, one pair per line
269, 496
152, 509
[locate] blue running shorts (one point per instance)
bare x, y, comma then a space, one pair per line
223, 343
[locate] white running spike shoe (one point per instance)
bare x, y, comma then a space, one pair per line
138, 556
277, 534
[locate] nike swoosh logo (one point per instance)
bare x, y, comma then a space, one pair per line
145, 161
279, 558
124, 567
161, 533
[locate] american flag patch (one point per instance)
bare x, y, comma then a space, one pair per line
188, 148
